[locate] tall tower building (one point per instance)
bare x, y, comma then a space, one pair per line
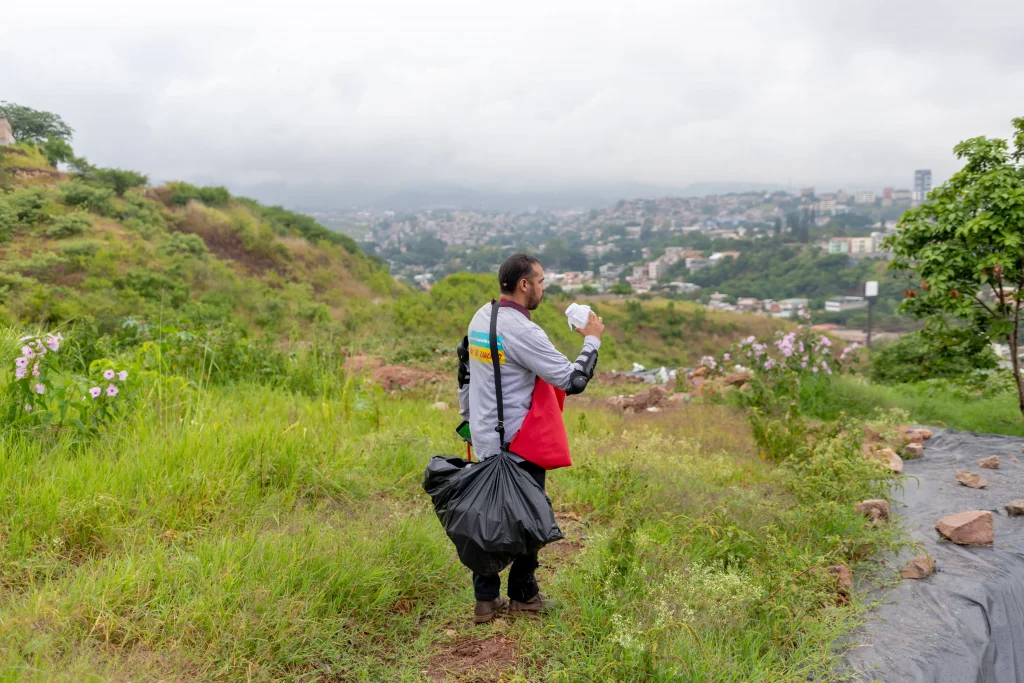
922, 183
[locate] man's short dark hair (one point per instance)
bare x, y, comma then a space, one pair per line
515, 268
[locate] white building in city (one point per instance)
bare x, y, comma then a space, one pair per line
864, 197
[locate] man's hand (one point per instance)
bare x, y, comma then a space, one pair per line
593, 328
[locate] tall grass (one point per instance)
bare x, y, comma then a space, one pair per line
265, 535
858, 397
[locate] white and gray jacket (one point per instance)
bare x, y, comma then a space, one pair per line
524, 352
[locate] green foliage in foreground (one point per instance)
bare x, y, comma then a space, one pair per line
935, 351
985, 401
965, 243
243, 530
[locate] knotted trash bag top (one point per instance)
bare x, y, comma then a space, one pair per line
493, 511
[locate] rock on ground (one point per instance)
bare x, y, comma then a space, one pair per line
989, 463
971, 480
440, 405
920, 567
973, 527
844, 582
1015, 508
736, 379
913, 450
875, 508
888, 458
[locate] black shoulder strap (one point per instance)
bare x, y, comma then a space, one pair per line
497, 373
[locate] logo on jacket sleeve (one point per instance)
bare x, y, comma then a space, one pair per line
480, 347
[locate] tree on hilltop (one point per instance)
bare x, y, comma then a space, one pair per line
966, 243
33, 125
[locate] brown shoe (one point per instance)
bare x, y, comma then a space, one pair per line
538, 604
486, 610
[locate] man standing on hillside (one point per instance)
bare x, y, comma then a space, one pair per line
524, 352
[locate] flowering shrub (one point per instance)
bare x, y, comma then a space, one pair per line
45, 395
32, 370
778, 365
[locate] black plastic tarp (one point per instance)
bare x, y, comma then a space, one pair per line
965, 623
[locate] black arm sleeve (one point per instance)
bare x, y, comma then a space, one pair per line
579, 378
462, 351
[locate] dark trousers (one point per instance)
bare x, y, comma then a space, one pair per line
522, 584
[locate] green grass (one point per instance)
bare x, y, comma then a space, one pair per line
255, 534
858, 397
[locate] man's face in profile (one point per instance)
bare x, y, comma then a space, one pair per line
535, 288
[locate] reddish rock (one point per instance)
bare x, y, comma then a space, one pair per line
973, 527
989, 463
1015, 508
971, 480
700, 372
736, 379
888, 458
913, 450
875, 508
920, 567
914, 437
844, 582
922, 434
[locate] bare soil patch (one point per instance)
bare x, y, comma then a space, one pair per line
473, 659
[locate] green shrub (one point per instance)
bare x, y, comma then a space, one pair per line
8, 219
936, 351
155, 287
183, 193
184, 243
95, 199
70, 225
29, 205
119, 180
81, 248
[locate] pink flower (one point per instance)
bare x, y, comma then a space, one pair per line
108, 374
123, 375
726, 356
814, 369
27, 351
53, 343
111, 390
95, 392
21, 362
20, 373
803, 364
26, 338
40, 388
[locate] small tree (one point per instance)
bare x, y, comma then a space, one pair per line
32, 125
966, 243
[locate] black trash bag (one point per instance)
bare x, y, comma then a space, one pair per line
493, 511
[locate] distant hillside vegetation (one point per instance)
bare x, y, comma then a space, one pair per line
76, 249
100, 248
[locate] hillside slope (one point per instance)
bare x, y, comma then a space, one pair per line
72, 250
76, 251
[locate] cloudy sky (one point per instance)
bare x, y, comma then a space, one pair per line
520, 95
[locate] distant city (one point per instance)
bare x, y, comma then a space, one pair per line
638, 245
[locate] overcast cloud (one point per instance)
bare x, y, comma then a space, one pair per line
521, 95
